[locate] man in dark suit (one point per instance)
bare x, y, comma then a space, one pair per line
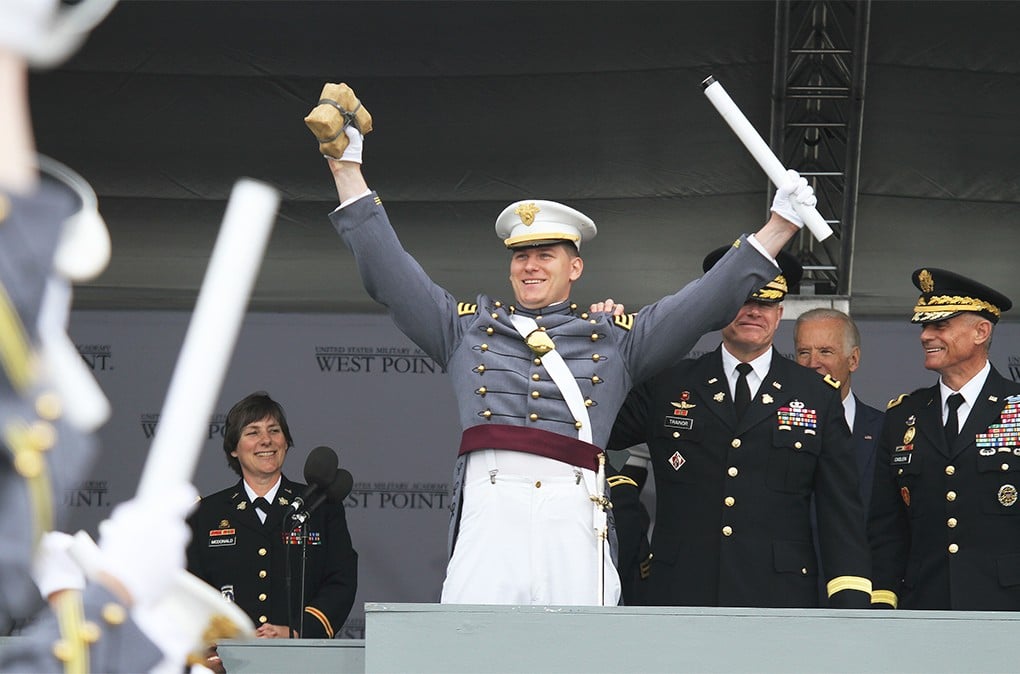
944, 523
739, 440
828, 341
242, 544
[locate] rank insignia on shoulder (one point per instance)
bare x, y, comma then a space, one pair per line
466, 308
626, 321
378, 201
896, 401
834, 383
618, 480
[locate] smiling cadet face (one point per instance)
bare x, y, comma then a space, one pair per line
542, 275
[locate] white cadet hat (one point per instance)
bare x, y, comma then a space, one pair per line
540, 223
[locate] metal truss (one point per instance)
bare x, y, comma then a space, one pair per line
817, 106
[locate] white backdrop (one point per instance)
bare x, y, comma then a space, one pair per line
356, 384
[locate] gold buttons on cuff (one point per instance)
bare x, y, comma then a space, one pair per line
951, 522
536, 394
480, 369
594, 336
953, 548
578, 425
536, 377
595, 379
950, 470
727, 530
732, 471
114, 614
950, 496
487, 414
90, 632
595, 357
62, 650
735, 443
48, 406
533, 416
262, 552
484, 347
262, 573
729, 501
263, 619
262, 597
482, 390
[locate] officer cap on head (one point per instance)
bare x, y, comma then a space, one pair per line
775, 290
540, 223
945, 294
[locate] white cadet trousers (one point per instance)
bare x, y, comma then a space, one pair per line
526, 535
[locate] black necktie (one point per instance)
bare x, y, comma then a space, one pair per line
952, 421
261, 504
742, 398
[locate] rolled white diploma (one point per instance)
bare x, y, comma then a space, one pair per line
761, 152
212, 333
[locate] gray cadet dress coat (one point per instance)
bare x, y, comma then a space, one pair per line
30, 228
494, 373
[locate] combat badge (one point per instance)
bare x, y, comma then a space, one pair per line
1007, 495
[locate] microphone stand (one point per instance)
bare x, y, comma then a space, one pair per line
298, 519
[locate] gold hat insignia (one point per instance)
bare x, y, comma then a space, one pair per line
527, 213
926, 282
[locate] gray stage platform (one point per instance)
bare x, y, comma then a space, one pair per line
425, 638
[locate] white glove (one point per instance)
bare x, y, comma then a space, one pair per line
354, 147
23, 23
53, 568
143, 542
796, 190
45, 33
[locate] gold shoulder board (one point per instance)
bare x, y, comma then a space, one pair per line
466, 308
617, 480
626, 321
896, 401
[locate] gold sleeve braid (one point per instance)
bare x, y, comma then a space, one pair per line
841, 583
26, 448
884, 597
72, 647
321, 617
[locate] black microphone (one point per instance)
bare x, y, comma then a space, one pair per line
320, 472
341, 487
